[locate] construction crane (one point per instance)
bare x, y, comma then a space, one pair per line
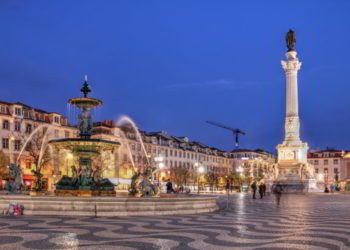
236, 132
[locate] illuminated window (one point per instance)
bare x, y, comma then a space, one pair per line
28, 164
5, 143
66, 134
17, 145
18, 111
17, 126
3, 109
28, 128
6, 124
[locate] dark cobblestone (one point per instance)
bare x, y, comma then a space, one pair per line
314, 221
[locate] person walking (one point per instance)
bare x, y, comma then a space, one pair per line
264, 188
277, 190
254, 188
261, 190
169, 187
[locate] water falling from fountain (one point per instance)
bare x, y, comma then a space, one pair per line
126, 144
29, 139
125, 119
43, 146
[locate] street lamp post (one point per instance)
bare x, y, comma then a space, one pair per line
200, 171
159, 160
240, 171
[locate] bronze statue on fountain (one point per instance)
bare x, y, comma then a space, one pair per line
15, 180
86, 179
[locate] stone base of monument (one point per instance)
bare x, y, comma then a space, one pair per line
85, 193
311, 186
110, 206
291, 181
291, 186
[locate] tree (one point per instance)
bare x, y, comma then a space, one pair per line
38, 150
180, 175
213, 180
103, 163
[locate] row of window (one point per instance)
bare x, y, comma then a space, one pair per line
18, 126
180, 154
325, 162
28, 128
17, 143
6, 144
170, 163
325, 171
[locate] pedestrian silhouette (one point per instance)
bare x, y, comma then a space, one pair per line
277, 190
254, 187
261, 190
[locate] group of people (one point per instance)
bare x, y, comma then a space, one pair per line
180, 189
260, 187
276, 189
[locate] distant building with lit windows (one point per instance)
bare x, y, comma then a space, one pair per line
17, 122
331, 165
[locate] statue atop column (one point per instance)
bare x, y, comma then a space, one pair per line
290, 40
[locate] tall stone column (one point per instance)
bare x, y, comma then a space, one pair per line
292, 148
292, 124
292, 168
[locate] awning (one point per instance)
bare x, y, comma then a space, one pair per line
28, 177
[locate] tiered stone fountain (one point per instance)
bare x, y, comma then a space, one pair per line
86, 178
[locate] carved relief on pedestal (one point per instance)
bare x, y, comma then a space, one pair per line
286, 155
292, 127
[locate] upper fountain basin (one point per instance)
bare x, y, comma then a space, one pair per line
85, 102
86, 144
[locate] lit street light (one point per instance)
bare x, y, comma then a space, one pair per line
159, 160
200, 170
240, 171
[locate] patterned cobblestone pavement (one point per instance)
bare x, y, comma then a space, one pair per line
317, 221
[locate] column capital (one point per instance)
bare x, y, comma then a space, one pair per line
291, 66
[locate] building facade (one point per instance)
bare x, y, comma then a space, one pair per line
331, 165
173, 156
18, 121
179, 159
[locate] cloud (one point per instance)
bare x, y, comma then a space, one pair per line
219, 83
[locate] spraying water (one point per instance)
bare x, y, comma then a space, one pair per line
43, 146
125, 119
29, 139
126, 144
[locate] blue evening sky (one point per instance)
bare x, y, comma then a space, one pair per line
172, 65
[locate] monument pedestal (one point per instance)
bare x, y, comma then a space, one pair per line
294, 172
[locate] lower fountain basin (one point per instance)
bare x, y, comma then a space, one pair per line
111, 206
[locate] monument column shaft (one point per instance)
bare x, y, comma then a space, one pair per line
291, 67
291, 94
